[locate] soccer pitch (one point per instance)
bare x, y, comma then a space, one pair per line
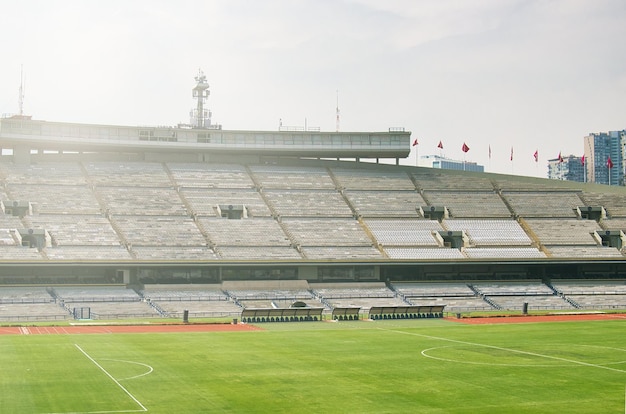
394, 366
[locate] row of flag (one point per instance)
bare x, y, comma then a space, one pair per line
465, 149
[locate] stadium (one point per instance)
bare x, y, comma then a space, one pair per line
113, 223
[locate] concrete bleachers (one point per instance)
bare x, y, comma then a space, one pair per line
404, 232
469, 204
308, 203
365, 304
544, 204
245, 232
87, 252
114, 173
19, 253
326, 232
198, 175
614, 203
116, 310
197, 300
453, 303
258, 253
179, 253
513, 295
75, 229
564, 231
513, 288
455, 296
600, 301
583, 251
385, 203
21, 294
614, 223
48, 173
433, 289
39, 311
57, 199
160, 230
203, 202
372, 180
7, 237
504, 253
430, 180
536, 302
424, 253
340, 252
146, 201
96, 294
600, 287
483, 232
292, 178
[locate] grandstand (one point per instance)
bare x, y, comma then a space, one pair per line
166, 224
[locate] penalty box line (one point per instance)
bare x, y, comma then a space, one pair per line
517, 351
143, 408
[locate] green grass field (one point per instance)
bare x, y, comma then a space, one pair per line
403, 366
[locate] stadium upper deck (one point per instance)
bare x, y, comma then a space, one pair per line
124, 210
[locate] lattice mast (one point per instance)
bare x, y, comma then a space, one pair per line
20, 100
337, 112
200, 117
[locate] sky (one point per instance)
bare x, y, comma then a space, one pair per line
505, 75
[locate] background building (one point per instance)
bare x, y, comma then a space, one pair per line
437, 161
599, 149
570, 168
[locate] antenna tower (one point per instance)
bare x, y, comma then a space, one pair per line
20, 100
200, 117
337, 110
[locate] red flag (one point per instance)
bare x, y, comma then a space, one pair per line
415, 142
440, 146
536, 155
465, 148
582, 160
609, 163
560, 158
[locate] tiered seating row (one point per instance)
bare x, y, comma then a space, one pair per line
56, 199
246, 232
160, 231
75, 230
423, 253
292, 178
203, 202
308, 203
146, 201
503, 253
144, 174
469, 204
544, 204
584, 251
445, 181
326, 232
372, 180
169, 253
565, 232
404, 232
615, 204
223, 176
490, 232
385, 203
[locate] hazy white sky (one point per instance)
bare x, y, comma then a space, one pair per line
502, 73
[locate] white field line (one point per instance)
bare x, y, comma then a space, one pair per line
113, 379
517, 351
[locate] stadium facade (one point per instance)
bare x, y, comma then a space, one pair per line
115, 204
